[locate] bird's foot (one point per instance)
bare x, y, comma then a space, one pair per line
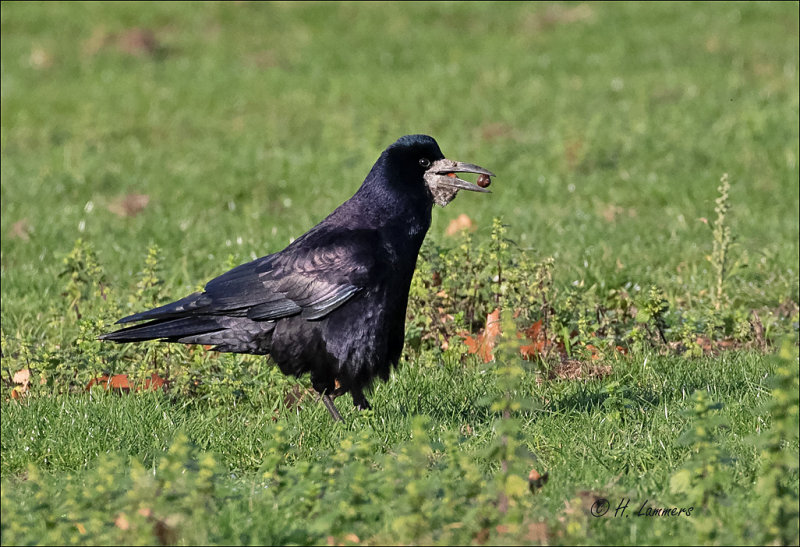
361, 402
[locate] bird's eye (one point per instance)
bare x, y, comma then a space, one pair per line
425, 162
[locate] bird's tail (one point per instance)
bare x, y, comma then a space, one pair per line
183, 329
223, 333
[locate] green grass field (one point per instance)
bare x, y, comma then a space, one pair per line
149, 147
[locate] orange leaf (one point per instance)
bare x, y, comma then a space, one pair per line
484, 343
22, 377
99, 381
121, 522
534, 331
540, 344
459, 224
120, 381
594, 350
155, 382
531, 350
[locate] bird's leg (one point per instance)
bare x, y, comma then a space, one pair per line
359, 400
326, 399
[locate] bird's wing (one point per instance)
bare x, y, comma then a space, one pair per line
310, 281
312, 278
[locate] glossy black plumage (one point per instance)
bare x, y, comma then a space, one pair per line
332, 303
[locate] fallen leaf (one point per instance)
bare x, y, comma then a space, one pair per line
537, 533
572, 153
611, 211
121, 522
557, 14
155, 382
575, 370
267, 58
483, 344
492, 131
129, 205
22, 377
459, 224
704, 342
139, 42
294, 396
21, 230
121, 383
540, 345
594, 351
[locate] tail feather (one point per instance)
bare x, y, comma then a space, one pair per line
191, 304
166, 329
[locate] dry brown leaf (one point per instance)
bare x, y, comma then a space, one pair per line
537, 533
129, 205
121, 383
492, 131
610, 212
459, 224
21, 230
266, 58
558, 14
294, 396
139, 42
572, 153
121, 522
22, 377
483, 344
575, 370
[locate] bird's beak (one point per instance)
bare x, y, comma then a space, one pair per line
444, 184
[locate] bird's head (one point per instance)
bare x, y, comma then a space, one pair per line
419, 158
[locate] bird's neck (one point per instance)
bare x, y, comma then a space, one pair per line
390, 204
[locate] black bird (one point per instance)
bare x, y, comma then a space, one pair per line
332, 303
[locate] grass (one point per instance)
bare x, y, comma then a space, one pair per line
609, 126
